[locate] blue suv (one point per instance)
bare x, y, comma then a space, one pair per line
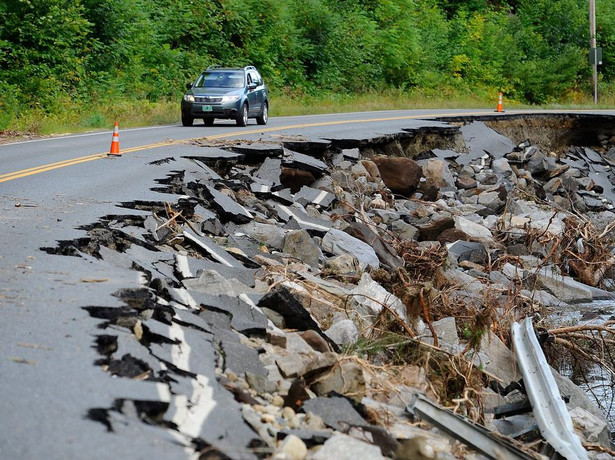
236, 93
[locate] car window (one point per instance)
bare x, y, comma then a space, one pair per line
216, 79
235, 80
259, 79
254, 77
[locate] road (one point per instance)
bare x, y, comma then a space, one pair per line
51, 191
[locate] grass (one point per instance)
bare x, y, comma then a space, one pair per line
69, 117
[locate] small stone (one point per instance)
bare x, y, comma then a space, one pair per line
288, 413
260, 409
341, 446
277, 401
268, 418
315, 340
293, 448
417, 448
313, 422
344, 332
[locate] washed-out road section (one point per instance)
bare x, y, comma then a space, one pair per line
51, 191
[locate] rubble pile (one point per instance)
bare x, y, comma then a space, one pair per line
319, 287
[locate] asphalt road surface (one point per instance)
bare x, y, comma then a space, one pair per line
51, 190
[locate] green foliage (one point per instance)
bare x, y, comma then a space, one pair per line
59, 55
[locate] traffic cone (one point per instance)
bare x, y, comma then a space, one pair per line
500, 108
115, 141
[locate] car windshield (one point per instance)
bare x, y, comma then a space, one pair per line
218, 79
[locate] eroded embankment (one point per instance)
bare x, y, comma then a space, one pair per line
298, 294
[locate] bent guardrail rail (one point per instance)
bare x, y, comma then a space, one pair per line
550, 412
466, 431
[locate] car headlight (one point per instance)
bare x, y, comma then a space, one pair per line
231, 98
188, 98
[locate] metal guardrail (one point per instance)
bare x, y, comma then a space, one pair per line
466, 431
549, 409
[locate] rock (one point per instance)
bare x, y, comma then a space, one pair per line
295, 315
294, 179
335, 412
417, 448
372, 170
292, 365
576, 396
343, 265
431, 228
260, 383
338, 242
315, 340
320, 365
467, 250
401, 175
595, 430
500, 361
474, 231
385, 253
564, 288
502, 169
344, 332
346, 378
369, 297
493, 200
270, 235
343, 447
300, 244
439, 172
403, 230
446, 329
292, 448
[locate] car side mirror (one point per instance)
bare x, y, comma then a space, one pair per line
188, 85
252, 85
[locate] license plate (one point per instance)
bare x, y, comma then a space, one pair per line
207, 108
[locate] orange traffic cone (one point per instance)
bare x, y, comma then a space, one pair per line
115, 141
500, 108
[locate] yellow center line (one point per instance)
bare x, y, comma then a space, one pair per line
97, 156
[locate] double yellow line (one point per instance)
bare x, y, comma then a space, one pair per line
73, 161
97, 156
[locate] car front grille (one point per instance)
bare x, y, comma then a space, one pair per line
208, 99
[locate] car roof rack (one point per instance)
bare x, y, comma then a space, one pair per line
248, 67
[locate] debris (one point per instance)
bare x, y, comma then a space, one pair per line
299, 292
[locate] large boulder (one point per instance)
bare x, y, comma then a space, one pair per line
401, 175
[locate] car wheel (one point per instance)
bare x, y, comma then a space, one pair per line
187, 120
242, 117
208, 121
264, 116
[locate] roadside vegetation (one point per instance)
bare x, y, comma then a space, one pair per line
81, 64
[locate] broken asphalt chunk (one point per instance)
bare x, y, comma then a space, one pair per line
228, 209
283, 301
303, 162
308, 195
338, 242
303, 220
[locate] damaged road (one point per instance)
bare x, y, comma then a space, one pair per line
276, 295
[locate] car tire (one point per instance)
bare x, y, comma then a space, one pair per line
242, 116
208, 121
264, 116
187, 120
